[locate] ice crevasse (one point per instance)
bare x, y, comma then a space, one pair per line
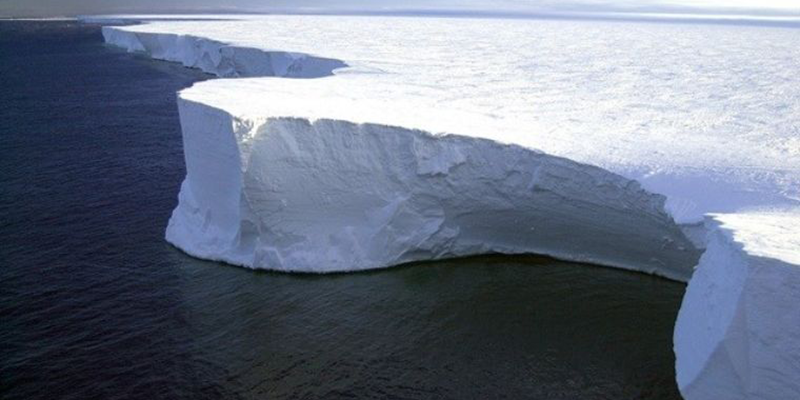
334, 174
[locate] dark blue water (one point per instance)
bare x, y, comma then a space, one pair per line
95, 304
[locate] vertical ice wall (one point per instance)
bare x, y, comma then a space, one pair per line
220, 59
328, 195
738, 330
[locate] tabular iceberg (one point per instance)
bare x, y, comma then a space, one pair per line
351, 171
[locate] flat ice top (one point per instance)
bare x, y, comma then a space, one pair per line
706, 114
766, 233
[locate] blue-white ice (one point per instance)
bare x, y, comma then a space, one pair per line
707, 115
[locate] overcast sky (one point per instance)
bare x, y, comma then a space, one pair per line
74, 7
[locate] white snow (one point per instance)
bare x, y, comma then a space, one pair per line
707, 115
358, 168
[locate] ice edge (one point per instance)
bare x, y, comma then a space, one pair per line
427, 200
220, 59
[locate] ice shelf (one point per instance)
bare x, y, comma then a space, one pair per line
425, 138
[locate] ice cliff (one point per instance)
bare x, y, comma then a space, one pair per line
220, 59
330, 195
738, 331
420, 148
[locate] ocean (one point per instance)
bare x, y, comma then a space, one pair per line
94, 303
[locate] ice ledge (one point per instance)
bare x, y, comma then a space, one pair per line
220, 59
329, 195
738, 330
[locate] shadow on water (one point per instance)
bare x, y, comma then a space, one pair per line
95, 304
482, 327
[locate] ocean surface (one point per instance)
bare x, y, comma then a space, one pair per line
95, 304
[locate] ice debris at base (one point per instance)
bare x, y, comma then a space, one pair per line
351, 171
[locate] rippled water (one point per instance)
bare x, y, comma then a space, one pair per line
95, 304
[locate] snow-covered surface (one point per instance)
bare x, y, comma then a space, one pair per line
351, 170
707, 115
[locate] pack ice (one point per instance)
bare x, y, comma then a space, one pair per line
424, 138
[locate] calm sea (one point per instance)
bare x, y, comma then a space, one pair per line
95, 304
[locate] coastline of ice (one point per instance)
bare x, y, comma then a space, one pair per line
323, 195
738, 331
222, 60
661, 112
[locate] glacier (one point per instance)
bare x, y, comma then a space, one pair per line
448, 137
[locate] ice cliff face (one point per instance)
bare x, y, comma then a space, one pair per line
738, 331
220, 59
350, 171
323, 194
329, 195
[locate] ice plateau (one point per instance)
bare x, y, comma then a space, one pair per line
424, 138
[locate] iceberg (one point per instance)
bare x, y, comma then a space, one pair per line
448, 137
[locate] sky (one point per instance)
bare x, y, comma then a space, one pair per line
49, 8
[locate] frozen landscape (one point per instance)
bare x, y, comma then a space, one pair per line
353, 143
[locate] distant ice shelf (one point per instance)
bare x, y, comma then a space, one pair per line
445, 137
220, 59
